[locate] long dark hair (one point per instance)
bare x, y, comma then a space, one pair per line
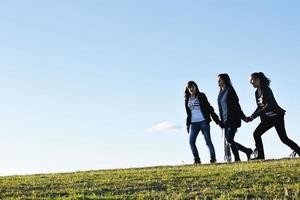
264, 81
226, 79
187, 93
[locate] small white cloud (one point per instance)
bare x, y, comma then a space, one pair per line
163, 126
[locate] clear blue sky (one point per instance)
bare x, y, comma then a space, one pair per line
81, 82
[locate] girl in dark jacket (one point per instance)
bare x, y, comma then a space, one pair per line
270, 113
199, 113
231, 115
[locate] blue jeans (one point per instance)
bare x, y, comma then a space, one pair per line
204, 127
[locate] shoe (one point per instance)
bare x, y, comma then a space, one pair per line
227, 158
197, 161
213, 161
249, 153
255, 153
237, 160
293, 154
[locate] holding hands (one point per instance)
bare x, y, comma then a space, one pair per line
248, 119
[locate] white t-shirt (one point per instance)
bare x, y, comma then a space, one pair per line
194, 106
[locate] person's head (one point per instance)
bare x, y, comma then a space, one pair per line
258, 80
191, 89
224, 80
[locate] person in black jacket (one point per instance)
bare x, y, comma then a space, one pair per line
199, 113
231, 115
270, 113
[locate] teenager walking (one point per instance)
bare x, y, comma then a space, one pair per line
270, 113
199, 113
231, 115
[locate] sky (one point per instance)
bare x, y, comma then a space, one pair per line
88, 85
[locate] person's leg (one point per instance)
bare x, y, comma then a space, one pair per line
241, 147
229, 134
247, 151
259, 131
280, 128
205, 128
194, 130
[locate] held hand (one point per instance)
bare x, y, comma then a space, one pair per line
248, 119
251, 118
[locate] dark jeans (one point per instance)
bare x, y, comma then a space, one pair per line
278, 123
205, 129
235, 147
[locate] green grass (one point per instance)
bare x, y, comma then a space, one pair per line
274, 179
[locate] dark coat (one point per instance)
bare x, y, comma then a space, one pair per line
270, 104
206, 109
235, 113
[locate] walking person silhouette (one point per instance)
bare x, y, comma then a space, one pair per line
231, 115
270, 113
199, 113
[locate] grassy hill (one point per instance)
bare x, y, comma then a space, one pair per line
246, 180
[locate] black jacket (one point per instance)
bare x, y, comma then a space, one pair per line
234, 111
269, 104
206, 109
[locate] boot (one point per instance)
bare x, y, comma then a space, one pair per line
197, 161
249, 153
